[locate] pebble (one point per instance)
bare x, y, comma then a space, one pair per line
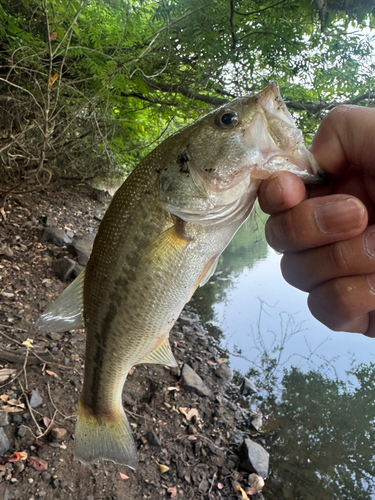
16, 418
204, 486
58, 433
247, 387
63, 268
255, 458
152, 438
56, 236
81, 247
193, 382
224, 372
4, 419
4, 442
35, 399
18, 467
21, 432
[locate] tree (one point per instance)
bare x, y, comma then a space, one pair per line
320, 435
88, 87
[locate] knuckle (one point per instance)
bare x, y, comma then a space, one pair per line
339, 257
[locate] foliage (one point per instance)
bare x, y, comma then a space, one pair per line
88, 87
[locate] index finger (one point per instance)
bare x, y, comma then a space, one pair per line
346, 137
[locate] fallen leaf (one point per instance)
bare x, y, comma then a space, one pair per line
163, 468
37, 463
48, 422
242, 493
172, 491
124, 476
11, 409
6, 373
52, 79
17, 456
53, 374
189, 413
220, 486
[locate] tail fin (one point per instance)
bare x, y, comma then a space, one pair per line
97, 438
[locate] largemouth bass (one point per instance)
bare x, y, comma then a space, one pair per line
160, 239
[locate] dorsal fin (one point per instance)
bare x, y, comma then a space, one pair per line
162, 355
66, 313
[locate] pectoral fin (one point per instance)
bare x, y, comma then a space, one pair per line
66, 313
162, 355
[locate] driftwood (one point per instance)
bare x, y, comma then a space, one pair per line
18, 356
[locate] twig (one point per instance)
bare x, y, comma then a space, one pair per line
53, 404
30, 410
212, 484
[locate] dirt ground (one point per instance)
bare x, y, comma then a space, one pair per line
200, 449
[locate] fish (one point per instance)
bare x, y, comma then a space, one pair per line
160, 238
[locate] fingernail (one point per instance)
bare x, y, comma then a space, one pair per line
370, 278
339, 216
369, 243
274, 194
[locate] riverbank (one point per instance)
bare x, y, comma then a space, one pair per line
188, 430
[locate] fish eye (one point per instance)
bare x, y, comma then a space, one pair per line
226, 119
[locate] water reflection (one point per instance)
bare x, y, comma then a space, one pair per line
321, 436
317, 386
248, 306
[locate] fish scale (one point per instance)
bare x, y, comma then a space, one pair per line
159, 240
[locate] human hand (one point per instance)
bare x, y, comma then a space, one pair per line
327, 234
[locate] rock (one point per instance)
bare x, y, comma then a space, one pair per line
193, 383
55, 336
254, 458
21, 432
16, 419
56, 236
100, 195
152, 438
6, 251
237, 437
247, 387
4, 442
18, 467
63, 268
256, 421
81, 247
204, 486
77, 270
35, 399
224, 372
58, 433
49, 221
4, 418
184, 320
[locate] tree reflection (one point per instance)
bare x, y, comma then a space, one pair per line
321, 436
244, 251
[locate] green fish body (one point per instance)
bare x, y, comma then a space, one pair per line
159, 240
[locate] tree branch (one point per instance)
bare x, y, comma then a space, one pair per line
186, 92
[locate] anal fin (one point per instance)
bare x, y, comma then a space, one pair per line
161, 355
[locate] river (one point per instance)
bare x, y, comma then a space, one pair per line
317, 387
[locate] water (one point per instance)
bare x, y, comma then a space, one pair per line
317, 386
